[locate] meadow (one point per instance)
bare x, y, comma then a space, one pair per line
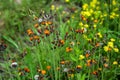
59, 39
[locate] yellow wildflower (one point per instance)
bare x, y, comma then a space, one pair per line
81, 57
80, 24
67, 1
115, 62
99, 34
113, 2
112, 39
87, 13
110, 44
85, 6
91, 11
52, 7
116, 49
86, 25
106, 48
94, 25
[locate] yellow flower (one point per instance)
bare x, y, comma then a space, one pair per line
106, 48
112, 39
85, 6
81, 57
67, 1
91, 11
87, 13
52, 7
86, 25
110, 44
116, 49
114, 2
94, 25
80, 24
99, 34
115, 62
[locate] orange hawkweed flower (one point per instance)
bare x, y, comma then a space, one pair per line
62, 62
68, 49
79, 30
95, 73
47, 32
46, 23
48, 67
97, 44
62, 42
106, 65
29, 32
79, 67
36, 37
90, 62
26, 70
87, 55
31, 38
36, 25
43, 72
49, 22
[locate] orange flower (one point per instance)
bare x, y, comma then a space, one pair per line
106, 65
83, 18
46, 23
43, 72
87, 55
62, 62
62, 42
47, 32
79, 67
31, 38
29, 32
95, 73
26, 70
48, 67
36, 37
90, 62
49, 22
97, 44
68, 49
36, 25
79, 30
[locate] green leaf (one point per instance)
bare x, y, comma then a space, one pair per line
10, 41
73, 57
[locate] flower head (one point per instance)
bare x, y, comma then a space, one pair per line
81, 57
116, 49
43, 72
115, 62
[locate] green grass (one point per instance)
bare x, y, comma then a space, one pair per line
71, 50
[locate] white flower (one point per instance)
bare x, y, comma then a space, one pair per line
14, 64
65, 70
36, 77
84, 30
40, 20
